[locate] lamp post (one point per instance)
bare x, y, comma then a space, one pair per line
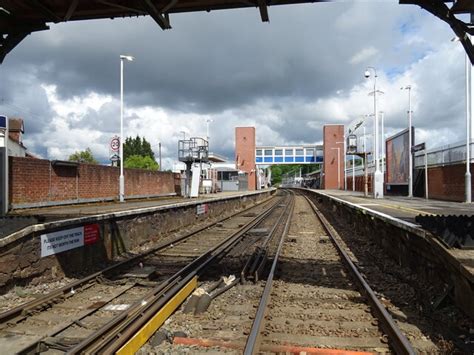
378, 175
469, 96
468, 129
122, 178
382, 142
338, 167
410, 144
184, 134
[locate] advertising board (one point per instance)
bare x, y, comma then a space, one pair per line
397, 155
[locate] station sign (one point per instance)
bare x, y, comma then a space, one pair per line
418, 147
57, 242
202, 209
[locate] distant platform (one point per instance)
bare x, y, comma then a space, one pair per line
54, 213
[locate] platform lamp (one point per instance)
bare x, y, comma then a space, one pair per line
410, 144
469, 103
378, 175
122, 178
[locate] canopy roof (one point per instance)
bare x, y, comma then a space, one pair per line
19, 18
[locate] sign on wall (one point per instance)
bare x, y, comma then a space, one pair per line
201, 209
57, 242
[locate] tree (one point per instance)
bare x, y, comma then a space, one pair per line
137, 146
141, 162
279, 170
84, 156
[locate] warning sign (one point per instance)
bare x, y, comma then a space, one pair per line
91, 233
57, 242
201, 209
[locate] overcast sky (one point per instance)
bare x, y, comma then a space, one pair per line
288, 77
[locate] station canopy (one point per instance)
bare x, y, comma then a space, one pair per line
19, 18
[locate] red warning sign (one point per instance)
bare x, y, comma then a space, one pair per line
91, 233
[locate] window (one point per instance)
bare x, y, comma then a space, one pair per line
288, 151
309, 151
299, 152
259, 152
279, 152
268, 152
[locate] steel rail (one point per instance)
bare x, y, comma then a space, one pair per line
399, 341
22, 311
114, 334
256, 261
252, 344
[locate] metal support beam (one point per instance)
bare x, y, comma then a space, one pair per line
161, 20
8, 43
70, 10
262, 6
443, 12
37, 4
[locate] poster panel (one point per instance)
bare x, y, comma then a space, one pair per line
397, 155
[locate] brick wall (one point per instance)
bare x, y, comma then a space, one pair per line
333, 136
245, 154
34, 181
447, 182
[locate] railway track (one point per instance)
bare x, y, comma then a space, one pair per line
312, 299
80, 316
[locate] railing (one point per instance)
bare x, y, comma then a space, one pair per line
445, 155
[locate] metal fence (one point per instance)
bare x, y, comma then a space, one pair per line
445, 155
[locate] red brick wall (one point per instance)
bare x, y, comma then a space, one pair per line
37, 181
447, 182
359, 183
245, 153
333, 134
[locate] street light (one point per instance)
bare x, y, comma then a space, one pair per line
184, 134
378, 175
469, 96
122, 179
410, 143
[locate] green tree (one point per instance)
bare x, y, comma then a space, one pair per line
137, 146
279, 170
141, 162
84, 156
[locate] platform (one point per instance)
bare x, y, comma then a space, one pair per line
88, 209
403, 207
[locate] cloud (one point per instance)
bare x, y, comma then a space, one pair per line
288, 78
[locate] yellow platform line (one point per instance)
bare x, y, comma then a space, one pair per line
142, 336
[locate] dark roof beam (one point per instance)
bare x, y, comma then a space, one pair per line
10, 42
70, 11
262, 6
168, 7
442, 11
51, 15
122, 7
162, 21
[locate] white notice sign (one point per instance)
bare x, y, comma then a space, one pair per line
57, 242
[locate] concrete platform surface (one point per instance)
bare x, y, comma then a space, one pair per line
403, 207
70, 211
